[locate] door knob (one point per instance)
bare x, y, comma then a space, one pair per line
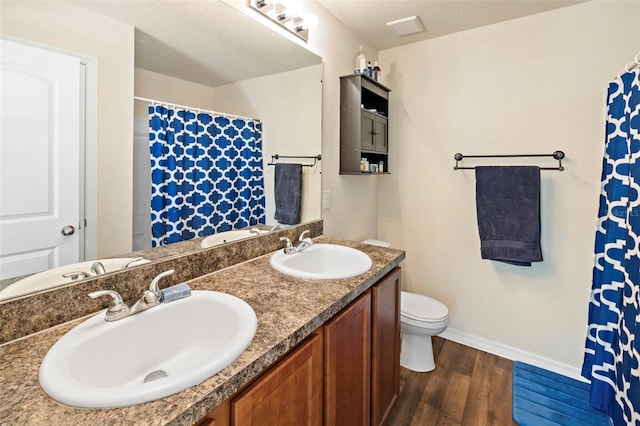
68, 230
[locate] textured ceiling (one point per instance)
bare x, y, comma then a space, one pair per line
368, 18
203, 41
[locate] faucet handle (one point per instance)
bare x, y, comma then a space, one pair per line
301, 237
135, 259
289, 245
154, 287
98, 268
76, 275
116, 304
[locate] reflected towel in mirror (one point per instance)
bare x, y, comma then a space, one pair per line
288, 193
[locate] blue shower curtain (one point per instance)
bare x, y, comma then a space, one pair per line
612, 350
206, 174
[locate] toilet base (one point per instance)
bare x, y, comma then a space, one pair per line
417, 353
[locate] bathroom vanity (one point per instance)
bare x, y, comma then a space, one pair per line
309, 331
350, 365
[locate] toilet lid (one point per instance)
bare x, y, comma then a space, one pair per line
422, 308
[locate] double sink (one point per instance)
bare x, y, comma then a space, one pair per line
174, 345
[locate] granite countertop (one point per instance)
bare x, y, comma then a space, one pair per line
288, 309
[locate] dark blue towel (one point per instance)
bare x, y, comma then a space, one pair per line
508, 208
288, 193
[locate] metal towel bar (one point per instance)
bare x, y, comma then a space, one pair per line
278, 156
557, 155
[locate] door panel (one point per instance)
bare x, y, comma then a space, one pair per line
39, 159
288, 395
348, 365
385, 347
367, 141
380, 132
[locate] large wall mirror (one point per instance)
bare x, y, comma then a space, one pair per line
206, 55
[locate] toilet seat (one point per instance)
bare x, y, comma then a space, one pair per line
421, 308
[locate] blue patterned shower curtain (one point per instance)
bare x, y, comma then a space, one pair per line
206, 174
612, 352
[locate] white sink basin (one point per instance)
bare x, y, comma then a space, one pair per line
54, 277
172, 346
226, 237
322, 262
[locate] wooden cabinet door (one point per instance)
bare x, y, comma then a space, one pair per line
219, 416
288, 395
348, 365
385, 346
367, 141
380, 134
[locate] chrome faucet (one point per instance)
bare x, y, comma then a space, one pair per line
260, 232
135, 259
118, 309
98, 268
288, 248
303, 243
76, 275
155, 287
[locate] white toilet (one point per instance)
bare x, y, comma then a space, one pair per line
420, 318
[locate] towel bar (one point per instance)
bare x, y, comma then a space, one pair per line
278, 156
557, 155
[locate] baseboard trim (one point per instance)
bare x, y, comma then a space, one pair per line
511, 353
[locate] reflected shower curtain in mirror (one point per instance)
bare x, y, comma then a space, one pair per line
206, 174
612, 350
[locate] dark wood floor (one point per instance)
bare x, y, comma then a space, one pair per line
468, 387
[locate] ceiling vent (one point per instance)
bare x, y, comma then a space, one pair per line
406, 26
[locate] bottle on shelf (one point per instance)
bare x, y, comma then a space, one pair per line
361, 61
369, 70
377, 72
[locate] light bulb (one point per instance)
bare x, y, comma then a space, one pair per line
294, 8
311, 20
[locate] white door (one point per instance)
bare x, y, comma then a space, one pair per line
39, 159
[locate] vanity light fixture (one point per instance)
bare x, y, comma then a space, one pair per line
287, 14
406, 26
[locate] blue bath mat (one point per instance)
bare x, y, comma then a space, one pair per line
543, 398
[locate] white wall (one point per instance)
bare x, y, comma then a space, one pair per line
64, 26
289, 105
531, 85
353, 212
152, 85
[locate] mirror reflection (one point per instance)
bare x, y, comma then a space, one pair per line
285, 102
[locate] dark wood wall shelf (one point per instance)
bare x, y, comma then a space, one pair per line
364, 124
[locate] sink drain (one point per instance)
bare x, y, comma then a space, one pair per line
155, 375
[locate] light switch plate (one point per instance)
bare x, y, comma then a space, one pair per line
326, 199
